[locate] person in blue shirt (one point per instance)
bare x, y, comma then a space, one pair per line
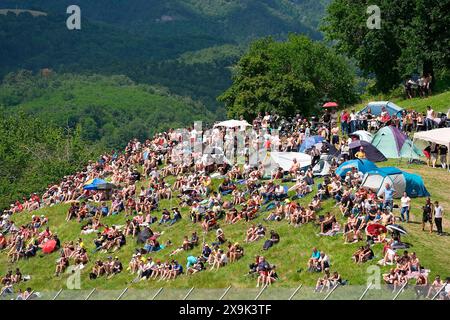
314, 258
104, 209
388, 197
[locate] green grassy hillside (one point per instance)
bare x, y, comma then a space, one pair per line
289, 255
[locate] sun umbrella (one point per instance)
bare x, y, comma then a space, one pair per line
375, 229
330, 105
396, 228
49, 246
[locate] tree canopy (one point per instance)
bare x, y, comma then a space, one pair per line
414, 37
288, 77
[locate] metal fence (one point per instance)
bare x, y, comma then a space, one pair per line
347, 292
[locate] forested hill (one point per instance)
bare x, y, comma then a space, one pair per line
109, 110
144, 39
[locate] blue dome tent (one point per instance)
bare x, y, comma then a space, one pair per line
399, 180
362, 165
309, 142
376, 107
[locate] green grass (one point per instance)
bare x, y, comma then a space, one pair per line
439, 102
289, 255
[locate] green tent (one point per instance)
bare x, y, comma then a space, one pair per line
394, 144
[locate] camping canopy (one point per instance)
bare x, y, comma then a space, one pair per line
363, 135
372, 153
309, 142
438, 136
285, 160
362, 165
376, 107
399, 180
233, 124
395, 144
98, 184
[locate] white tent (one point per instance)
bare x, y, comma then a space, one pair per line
438, 136
323, 167
233, 124
363, 135
285, 160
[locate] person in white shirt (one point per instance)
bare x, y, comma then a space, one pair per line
429, 119
405, 207
438, 213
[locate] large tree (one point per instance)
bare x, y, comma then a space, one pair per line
288, 77
413, 37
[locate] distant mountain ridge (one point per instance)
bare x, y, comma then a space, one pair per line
185, 45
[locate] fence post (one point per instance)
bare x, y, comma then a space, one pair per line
295, 292
225, 293
440, 290
123, 292
90, 294
187, 294
331, 291
57, 294
157, 293
400, 291
260, 293
365, 291
31, 293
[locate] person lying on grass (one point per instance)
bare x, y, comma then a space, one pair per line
274, 239
186, 245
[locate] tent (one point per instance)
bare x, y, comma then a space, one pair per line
309, 142
363, 166
98, 184
438, 136
395, 144
322, 168
399, 180
233, 124
285, 159
372, 153
376, 107
363, 135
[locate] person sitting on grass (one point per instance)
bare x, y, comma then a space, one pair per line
62, 264
327, 223
391, 279
434, 287
323, 283
277, 214
197, 266
365, 253
235, 252
262, 268
220, 260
